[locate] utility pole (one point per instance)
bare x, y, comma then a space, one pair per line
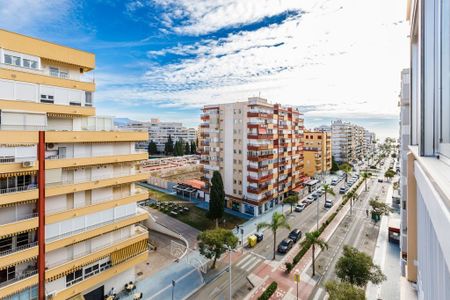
229, 269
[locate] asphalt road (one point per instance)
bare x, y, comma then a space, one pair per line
218, 289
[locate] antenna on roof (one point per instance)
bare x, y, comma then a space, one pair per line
259, 94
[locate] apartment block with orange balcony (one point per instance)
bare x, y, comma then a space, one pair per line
317, 151
257, 147
69, 219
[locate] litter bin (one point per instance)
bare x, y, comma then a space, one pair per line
251, 240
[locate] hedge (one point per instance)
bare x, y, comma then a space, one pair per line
269, 291
306, 245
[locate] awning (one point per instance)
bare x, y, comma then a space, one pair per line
17, 203
14, 263
21, 173
59, 115
16, 233
71, 270
125, 253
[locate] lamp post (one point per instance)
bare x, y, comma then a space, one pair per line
229, 269
173, 288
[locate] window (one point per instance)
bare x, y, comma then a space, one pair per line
28, 63
22, 239
16, 61
64, 74
5, 244
47, 99
88, 99
54, 71
8, 59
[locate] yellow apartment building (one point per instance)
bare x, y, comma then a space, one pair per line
317, 152
69, 219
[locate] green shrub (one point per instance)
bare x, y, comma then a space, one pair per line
289, 267
269, 291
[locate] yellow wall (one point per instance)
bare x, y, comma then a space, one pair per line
48, 108
32, 46
94, 136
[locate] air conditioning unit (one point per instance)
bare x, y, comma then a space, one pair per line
27, 164
51, 146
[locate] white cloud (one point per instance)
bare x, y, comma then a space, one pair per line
205, 16
27, 15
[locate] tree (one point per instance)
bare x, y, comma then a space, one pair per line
152, 148
357, 268
327, 189
379, 208
393, 155
168, 146
216, 198
193, 147
179, 148
334, 165
187, 148
291, 200
343, 291
389, 174
313, 238
365, 176
278, 221
213, 243
346, 168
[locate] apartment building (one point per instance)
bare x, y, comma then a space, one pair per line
428, 156
317, 153
159, 132
350, 142
69, 220
258, 149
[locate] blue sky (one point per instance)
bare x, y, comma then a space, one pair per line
167, 58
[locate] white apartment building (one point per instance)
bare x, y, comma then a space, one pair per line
258, 149
428, 157
350, 142
159, 133
69, 220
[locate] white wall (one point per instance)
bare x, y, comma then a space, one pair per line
20, 153
102, 194
228, 116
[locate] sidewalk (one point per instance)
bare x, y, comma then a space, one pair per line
387, 256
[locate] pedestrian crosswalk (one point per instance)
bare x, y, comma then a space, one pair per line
249, 262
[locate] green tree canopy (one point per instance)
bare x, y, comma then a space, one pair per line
216, 198
193, 147
334, 165
168, 146
213, 243
187, 148
365, 176
313, 238
291, 200
357, 268
278, 221
343, 291
152, 148
389, 173
328, 190
347, 169
379, 208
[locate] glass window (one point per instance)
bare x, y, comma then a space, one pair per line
54, 71
445, 78
16, 61
8, 59
63, 74
26, 63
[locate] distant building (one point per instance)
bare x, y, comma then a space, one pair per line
159, 132
257, 147
317, 153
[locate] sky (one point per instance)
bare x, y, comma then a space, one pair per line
334, 59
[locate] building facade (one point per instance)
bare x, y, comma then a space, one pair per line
428, 156
69, 220
317, 153
350, 142
159, 133
257, 147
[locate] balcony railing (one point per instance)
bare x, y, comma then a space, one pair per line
19, 277
13, 159
92, 178
19, 188
19, 218
138, 230
17, 249
92, 227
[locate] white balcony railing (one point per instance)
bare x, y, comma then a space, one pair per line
19, 188
18, 218
93, 178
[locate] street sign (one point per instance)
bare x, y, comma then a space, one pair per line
297, 277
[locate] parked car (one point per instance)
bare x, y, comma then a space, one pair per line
285, 245
314, 195
380, 179
259, 236
295, 235
328, 204
319, 193
342, 190
334, 182
305, 203
310, 198
299, 207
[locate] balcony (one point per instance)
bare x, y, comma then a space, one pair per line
21, 281
75, 236
62, 161
256, 158
259, 179
19, 223
256, 147
257, 190
18, 254
266, 136
204, 125
204, 117
261, 115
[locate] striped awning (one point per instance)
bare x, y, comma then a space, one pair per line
59, 115
17, 203
3, 236
20, 173
18, 145
71, 270
14, 263
125, 253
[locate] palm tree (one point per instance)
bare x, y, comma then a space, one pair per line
291, 200
365, 176
328, 190
313, 238
346, 168
278, 221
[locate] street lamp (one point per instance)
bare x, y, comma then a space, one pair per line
229, 268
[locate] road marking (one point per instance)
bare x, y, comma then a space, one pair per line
244, 260
258, 255
253, 265
248, 262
